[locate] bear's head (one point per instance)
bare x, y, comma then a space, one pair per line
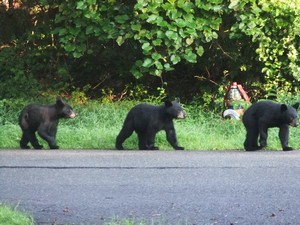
289, 114
174, 109
63, 109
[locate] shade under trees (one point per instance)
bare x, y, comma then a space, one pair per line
187, 48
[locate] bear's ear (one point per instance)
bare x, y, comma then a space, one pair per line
296, 106
177, 100
168, 103
59, 101
283, 107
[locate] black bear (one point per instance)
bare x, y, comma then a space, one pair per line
43, 119
146, 120
266, 114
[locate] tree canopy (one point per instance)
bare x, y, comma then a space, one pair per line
190, 48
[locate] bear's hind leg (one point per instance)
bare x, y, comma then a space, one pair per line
33, 140
125, 133
263, 136
251, 141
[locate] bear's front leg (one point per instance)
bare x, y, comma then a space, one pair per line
284, 138
151, 140
171, 137
142, 141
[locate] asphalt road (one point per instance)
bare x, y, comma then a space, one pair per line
161, 187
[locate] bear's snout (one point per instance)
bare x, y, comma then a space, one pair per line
294, 123
72, 115
181, 115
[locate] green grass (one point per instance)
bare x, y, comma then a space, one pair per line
13, 216
117, 221
98, 124
10, 216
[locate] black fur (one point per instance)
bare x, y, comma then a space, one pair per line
266, 114
43, 119
146, 120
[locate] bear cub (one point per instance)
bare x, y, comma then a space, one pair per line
146, 120
43, 119
266, 114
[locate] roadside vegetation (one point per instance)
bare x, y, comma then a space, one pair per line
189, 48
129, 222
105, 58
12, 216
99, 122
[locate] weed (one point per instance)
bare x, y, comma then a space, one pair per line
10, 216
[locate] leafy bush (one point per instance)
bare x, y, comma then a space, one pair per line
191, 47
274, 26
16, 80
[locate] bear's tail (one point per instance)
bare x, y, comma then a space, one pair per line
23, 120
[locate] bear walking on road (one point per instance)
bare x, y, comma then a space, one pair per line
146, 120
43, 119
266, 114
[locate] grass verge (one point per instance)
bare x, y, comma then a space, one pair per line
11, 216
98, 124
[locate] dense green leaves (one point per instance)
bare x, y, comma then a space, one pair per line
169, 32
166, 31
216, 41
274, 26
176, 30
83, 25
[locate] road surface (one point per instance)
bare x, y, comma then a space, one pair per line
161, 187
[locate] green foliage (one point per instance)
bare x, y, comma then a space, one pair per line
287, 98
10, 109
172, 31
167, 31
11, 216
16, 80
66, 46
80, 24
136, 93
79, 97
117, 221
98, 124
274, 26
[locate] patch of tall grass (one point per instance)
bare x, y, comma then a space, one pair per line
98, 124
11, 216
